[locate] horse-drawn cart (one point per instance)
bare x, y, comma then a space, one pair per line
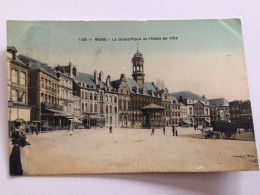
208, 133
227, 130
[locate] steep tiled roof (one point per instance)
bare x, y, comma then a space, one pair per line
37, 64
89, 79
218, 102
174, 100
148, 89
115, 84
186, 95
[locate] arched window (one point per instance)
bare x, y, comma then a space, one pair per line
115, 99
111, 109
106, 98
86, 95
95, 109
86, 107
115, 109
101, 97
95, 96
110, 98
106, 108
91, 96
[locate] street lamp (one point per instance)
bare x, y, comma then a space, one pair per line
10, 105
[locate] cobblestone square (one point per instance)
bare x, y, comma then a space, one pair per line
135, 150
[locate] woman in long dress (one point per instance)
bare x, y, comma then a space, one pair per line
19, 159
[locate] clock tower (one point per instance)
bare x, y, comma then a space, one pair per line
138, 68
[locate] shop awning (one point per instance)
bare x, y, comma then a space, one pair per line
96, 117
75, 120
187, 121
57, 112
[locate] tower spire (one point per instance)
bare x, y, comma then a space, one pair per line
137, 46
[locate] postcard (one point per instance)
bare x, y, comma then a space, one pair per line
92, 97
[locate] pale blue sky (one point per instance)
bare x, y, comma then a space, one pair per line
207, 58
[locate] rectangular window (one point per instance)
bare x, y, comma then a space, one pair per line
22, 78
124, 105
14, 75
101, 109
106, 108
82, 107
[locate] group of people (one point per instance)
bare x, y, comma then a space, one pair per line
174, 131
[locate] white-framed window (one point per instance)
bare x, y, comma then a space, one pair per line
62, 93
14, 95
14, 75
22, 78
23, 97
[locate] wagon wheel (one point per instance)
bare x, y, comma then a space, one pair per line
203, 134
228, 135
210, 135
217, 135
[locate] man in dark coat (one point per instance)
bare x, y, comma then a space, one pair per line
164, 130
173, 130
152, 131
110, 129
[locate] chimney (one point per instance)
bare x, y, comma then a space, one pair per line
74, 70
70, 69
108, 80
181, 99
95, 77
101, 76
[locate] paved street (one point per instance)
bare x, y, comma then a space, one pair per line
135, 150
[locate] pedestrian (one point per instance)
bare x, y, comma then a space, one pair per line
36, 128
70, 128
176, 132
110, 129
18, 159
164, 130
173, 131
32, 129
195, 128
152, 131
